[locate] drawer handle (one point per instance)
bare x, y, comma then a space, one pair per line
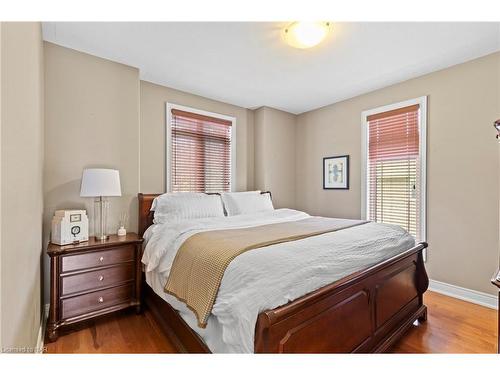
101, 277
100, 300
101, 259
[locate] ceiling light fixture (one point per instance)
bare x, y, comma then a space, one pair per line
306, 34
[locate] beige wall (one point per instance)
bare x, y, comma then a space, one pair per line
21, 144
153, 99
99, 114
275, 155
462, 165
1, 47
91, 120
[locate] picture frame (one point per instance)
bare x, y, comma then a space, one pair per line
336, 172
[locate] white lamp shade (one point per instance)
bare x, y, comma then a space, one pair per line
99, 182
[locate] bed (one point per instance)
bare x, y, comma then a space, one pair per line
364, 311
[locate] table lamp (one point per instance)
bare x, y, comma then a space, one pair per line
100, 183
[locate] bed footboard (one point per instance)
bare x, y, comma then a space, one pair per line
364, 312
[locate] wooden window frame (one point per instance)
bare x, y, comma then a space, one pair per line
422, 124
168, 141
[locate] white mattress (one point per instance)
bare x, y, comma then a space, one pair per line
269, 277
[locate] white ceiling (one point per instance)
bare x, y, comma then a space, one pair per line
248, 64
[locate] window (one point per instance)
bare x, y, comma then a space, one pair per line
394, 145
199, 150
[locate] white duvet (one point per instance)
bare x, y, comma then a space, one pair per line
268, 277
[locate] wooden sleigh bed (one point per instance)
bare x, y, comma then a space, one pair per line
367, 311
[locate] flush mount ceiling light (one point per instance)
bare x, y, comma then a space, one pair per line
306, 34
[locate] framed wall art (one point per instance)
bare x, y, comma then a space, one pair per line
336, 172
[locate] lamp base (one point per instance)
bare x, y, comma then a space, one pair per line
101, 207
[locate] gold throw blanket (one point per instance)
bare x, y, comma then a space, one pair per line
202, 259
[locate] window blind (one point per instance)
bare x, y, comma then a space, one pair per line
393, 168
201, 153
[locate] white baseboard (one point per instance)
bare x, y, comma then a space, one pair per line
41, 331
469, 295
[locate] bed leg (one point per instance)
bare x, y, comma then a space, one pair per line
423, 317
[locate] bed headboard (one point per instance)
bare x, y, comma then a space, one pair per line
146, 215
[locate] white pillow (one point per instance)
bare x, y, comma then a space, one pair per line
246, 202
182, 206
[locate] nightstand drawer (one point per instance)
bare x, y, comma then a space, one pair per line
97, 258
97, 279
95, 301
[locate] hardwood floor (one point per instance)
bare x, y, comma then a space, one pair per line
453, 326
122, 332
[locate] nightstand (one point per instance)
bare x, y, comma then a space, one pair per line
93, 278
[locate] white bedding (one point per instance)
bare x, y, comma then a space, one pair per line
269, 277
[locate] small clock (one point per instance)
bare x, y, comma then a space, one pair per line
70, 226
75, 230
